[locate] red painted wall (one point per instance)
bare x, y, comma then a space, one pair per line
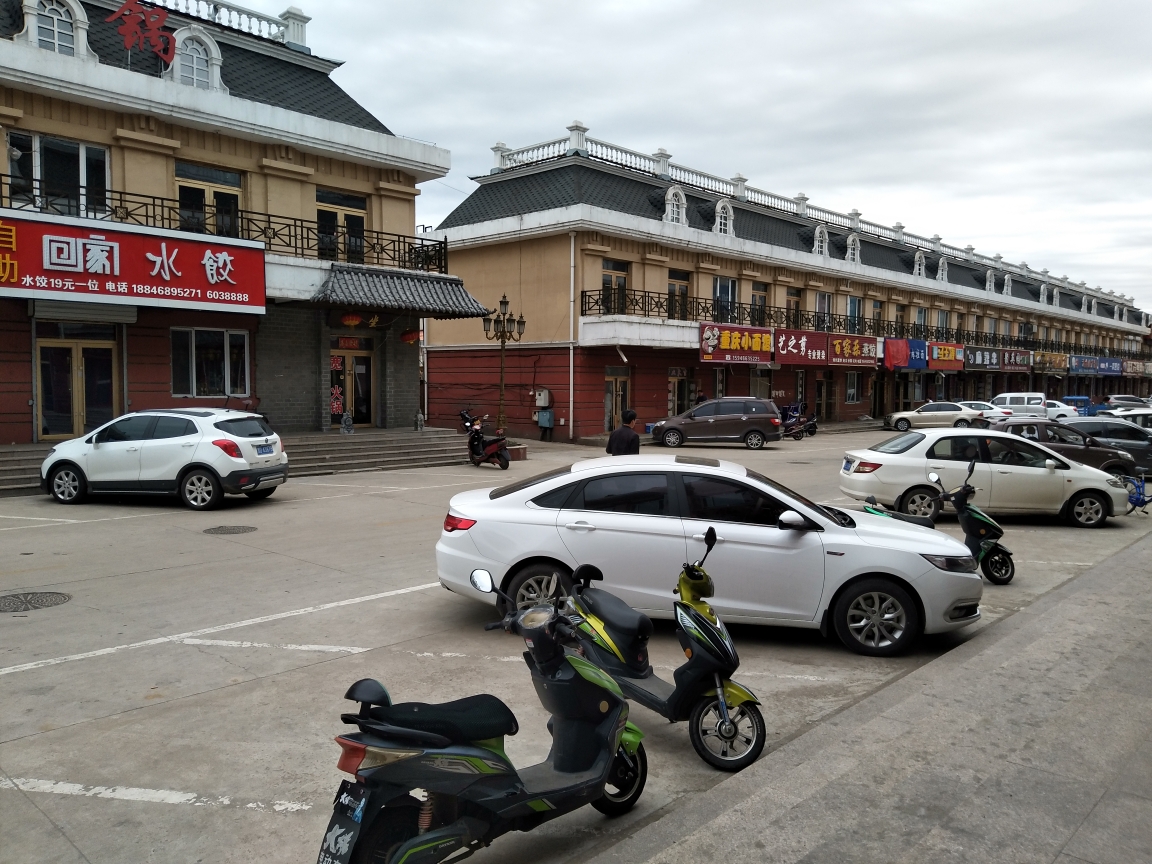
15, 372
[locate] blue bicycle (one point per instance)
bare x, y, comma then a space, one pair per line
1136, 495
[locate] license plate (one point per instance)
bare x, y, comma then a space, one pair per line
264, 449
343, 828
847, 465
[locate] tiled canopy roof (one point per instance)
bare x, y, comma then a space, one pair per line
431, 295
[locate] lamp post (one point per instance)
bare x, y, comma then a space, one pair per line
504, 327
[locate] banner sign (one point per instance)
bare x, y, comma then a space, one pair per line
905, 354
734, 343
1109, 366
1012, 360
801, 347
852, 350
60, 258
945, 355
1046, 361
1078, 364
987, 359
1133, 367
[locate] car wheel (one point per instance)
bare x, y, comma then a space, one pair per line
539, 583
67, 484
921, 501
1088, 510
200, 490
673, 438
753, 440
961, 424
903, 425
876, 617
260, 494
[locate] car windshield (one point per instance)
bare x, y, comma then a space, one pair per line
796, 496
528, 481
898, 444
245, 427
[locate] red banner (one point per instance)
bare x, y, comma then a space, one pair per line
801, 347
61, 258
945, 355
852, 350
734, 343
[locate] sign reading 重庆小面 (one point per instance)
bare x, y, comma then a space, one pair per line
801, 347
851, 350
733, 343
59, 258
945, 355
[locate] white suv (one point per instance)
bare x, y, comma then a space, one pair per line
200, 454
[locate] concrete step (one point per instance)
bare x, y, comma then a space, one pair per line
312, 471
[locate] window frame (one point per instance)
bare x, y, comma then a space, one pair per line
38, 195
206, 56
44, 13
577, 502
852, 382
675, 206
228, 391
685, 501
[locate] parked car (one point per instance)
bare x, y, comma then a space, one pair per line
1084, 406
750, 421
1031, 404
1057, 409
1124, 402
1072, 444
989, 413
1119, 433
780, 559
932, 414
1140, 416
1012, 476
199, 454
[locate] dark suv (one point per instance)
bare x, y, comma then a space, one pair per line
1119, 433
745, 420
1074, 443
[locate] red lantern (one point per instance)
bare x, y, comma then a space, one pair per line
411, 336
351, 319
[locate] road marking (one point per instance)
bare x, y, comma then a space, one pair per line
38, 518
1066, 563
150, 796
227, 643
192, 634
84, 521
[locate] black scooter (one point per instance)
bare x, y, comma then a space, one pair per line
724, 724
481, 449
432, 780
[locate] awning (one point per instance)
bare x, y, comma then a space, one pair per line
429, 295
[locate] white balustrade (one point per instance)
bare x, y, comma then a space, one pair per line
606, 152
535, 153
230, 15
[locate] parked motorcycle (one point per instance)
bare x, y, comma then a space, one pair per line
481, 449
796, 424
452, 754
724, 722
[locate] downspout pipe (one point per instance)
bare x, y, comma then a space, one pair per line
571, 334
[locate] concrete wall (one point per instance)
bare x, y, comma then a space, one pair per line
288, 373
400, 378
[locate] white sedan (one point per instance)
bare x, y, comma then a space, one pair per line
1057, 410
989, 413
780, 559
1011, 476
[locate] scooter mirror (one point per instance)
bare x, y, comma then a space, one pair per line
710, 538
971, 468
482, 581
934, 477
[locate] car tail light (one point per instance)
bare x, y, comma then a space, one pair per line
229, 447
457, 523
775, 421
351, 755
867, 467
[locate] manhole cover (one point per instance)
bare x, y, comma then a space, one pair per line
229, 529
32, 600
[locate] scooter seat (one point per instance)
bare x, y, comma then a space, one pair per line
473, 718
628, 628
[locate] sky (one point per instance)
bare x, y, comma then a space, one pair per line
1022, 128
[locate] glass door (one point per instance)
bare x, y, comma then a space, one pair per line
77, 387
351, 387
615, 399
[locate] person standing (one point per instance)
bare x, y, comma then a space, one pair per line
702, 398
624, 441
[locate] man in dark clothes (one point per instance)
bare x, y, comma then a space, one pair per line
624, 441
702, 398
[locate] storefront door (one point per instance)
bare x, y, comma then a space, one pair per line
681, 391
615, 396
351, 387
78, 387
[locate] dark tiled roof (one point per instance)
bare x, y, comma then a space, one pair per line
11, 18
431, 295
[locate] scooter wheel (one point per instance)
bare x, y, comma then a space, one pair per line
728, 753
502, 460
798, 436
998, 568
625, 782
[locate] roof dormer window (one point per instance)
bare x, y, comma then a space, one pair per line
55, 30
942, 270
852, 256
723, 224
198, 59
193, 60
1007, 284
820, 241
990, 281
675, 206
918, 264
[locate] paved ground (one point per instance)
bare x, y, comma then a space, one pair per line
181, 706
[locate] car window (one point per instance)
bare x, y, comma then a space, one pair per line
1064, 435
1015, 400
645, 494
1123, 432
755, 408
715, 499
556, 498
1010, 451
245, 427
948, 406
899, 443
527, 481
1030, 431
728, 407
128, 429
708, 409
928, 409
956, 448
1035, 400
1090, 427
173, 427
1000, 401
977, 406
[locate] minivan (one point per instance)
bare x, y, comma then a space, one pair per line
1028, 404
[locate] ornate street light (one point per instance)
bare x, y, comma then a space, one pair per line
503, 327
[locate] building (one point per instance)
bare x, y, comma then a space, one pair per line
645, 284
194, 213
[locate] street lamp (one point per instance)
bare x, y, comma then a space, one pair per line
505, 328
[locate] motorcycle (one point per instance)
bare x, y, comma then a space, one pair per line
796, 424
432, 780
724, 723
481, 449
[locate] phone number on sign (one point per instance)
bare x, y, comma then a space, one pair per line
189, 293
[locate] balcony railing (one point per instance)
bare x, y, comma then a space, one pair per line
282, 235
654, 304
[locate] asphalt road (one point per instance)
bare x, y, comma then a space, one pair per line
181, 706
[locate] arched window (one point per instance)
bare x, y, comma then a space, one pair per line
853, 253
723, 224
820, 242
1007, 284
192, 58
918, 264
675, 206
942, 270
55, 30
990, 281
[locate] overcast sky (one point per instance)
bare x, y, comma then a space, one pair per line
1020, 127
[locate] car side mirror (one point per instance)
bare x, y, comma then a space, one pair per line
790, 520
1091, 442
482, 581
1049, 464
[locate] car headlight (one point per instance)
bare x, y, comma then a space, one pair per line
951, 563
660, 422
1116, 483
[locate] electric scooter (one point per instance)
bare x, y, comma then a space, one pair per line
981, 532
432, 780
481, 449
725, 725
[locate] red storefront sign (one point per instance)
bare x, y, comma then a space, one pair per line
60, 258
945, 355
851, 351
801, 347
733, 343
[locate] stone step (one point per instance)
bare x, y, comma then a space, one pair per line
297, 453
381, 460
315, 470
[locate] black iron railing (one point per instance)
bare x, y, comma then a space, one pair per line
282, 235
654, 304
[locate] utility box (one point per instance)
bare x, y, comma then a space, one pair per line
543, 397
545, 418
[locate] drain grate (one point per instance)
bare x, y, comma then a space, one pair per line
230, 529
32, 600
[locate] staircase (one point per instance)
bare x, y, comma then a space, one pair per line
373, 450
20, 467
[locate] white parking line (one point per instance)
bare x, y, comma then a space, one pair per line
227, 643
151, 796
179, 637
38, 518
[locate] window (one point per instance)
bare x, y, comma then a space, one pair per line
555, 499
642, 494
823, 310
1124, 432
901, 313
718, 500
723, 224
794, 301
340, 225
918, 264
1091, 427
520, 485
1008, 451
675, 206
209, 199
852, 388
993, 326
1030, 431
877, 310
724, 299
128, 429
761, 408
820, 241
899, 443
921, 317
942, 270
173, 427
990, 281
942, 319
209, 362
853, 253
729, 407
678, 281
1007, 284
1064, 435
855, 314
759, 311
614, 287
959, 448
56, 175
193, 63
708, 409
54, 28
253, 426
